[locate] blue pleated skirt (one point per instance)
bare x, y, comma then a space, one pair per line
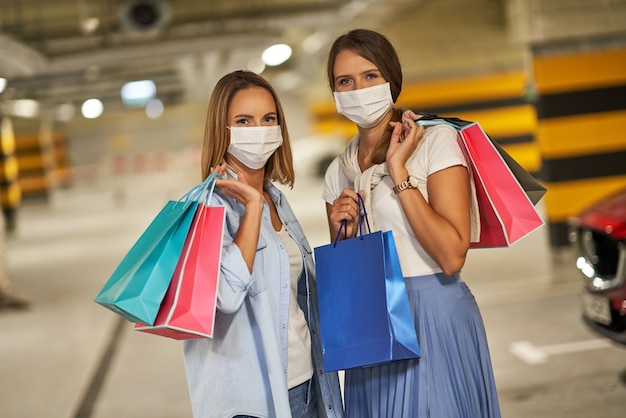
454, 376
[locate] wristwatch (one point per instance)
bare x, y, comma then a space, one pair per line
409, 183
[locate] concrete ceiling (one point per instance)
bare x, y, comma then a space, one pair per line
65, 51
69, 50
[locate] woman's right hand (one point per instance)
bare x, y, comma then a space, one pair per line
344, 208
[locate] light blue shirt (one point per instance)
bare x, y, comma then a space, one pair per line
242, 370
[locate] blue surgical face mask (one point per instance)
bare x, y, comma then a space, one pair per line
365, 107
254, 145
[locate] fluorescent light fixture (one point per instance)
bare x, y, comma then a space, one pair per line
276, 54
138, 93
92, 108
25, 108
3, 84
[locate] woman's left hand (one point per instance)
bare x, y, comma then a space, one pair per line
404, 139
238, 189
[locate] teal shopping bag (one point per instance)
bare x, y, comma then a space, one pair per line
365, 316
138, 285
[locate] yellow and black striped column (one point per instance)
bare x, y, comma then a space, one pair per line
581, 131
10, 192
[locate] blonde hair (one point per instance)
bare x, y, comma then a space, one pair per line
217, 138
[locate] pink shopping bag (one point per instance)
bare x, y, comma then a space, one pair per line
188, 309
506, 212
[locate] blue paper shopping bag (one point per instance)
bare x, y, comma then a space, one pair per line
365, 317
138, 285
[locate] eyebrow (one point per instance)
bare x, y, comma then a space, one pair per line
243, 115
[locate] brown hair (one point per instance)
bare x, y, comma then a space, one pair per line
279, 167
377, 49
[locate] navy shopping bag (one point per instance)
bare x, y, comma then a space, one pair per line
138, 285
365, 317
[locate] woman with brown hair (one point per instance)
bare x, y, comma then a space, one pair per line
414, 182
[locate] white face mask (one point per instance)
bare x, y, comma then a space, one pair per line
365, 107
254, 145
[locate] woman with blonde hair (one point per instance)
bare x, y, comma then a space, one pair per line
264, 359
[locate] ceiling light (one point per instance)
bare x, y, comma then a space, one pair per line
276, 54
3, 84
138, 93
92, 108
25, 108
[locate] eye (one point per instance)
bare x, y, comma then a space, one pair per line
242, 122
371, 76
269, 119
343, 82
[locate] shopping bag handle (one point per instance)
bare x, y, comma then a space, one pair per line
362, 215
432, 122
430, 119
195, 193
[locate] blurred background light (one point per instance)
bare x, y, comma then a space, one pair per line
89, 25
3, 84
65, 112
138, 93
92, 108
276, 54
25, 108
154, 109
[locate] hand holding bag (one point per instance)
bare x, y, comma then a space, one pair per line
137, 286
188, 309
365, 316
507, 211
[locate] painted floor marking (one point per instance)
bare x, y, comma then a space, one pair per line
532, 354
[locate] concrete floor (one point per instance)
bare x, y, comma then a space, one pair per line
69, 357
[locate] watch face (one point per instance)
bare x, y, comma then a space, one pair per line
413, 182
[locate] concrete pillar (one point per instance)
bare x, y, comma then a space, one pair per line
581, 110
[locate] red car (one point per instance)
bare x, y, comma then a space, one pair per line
599, 233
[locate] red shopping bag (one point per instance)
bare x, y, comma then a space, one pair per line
506, 212
188, 309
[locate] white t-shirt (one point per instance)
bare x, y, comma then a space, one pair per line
438, 149
299, 358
